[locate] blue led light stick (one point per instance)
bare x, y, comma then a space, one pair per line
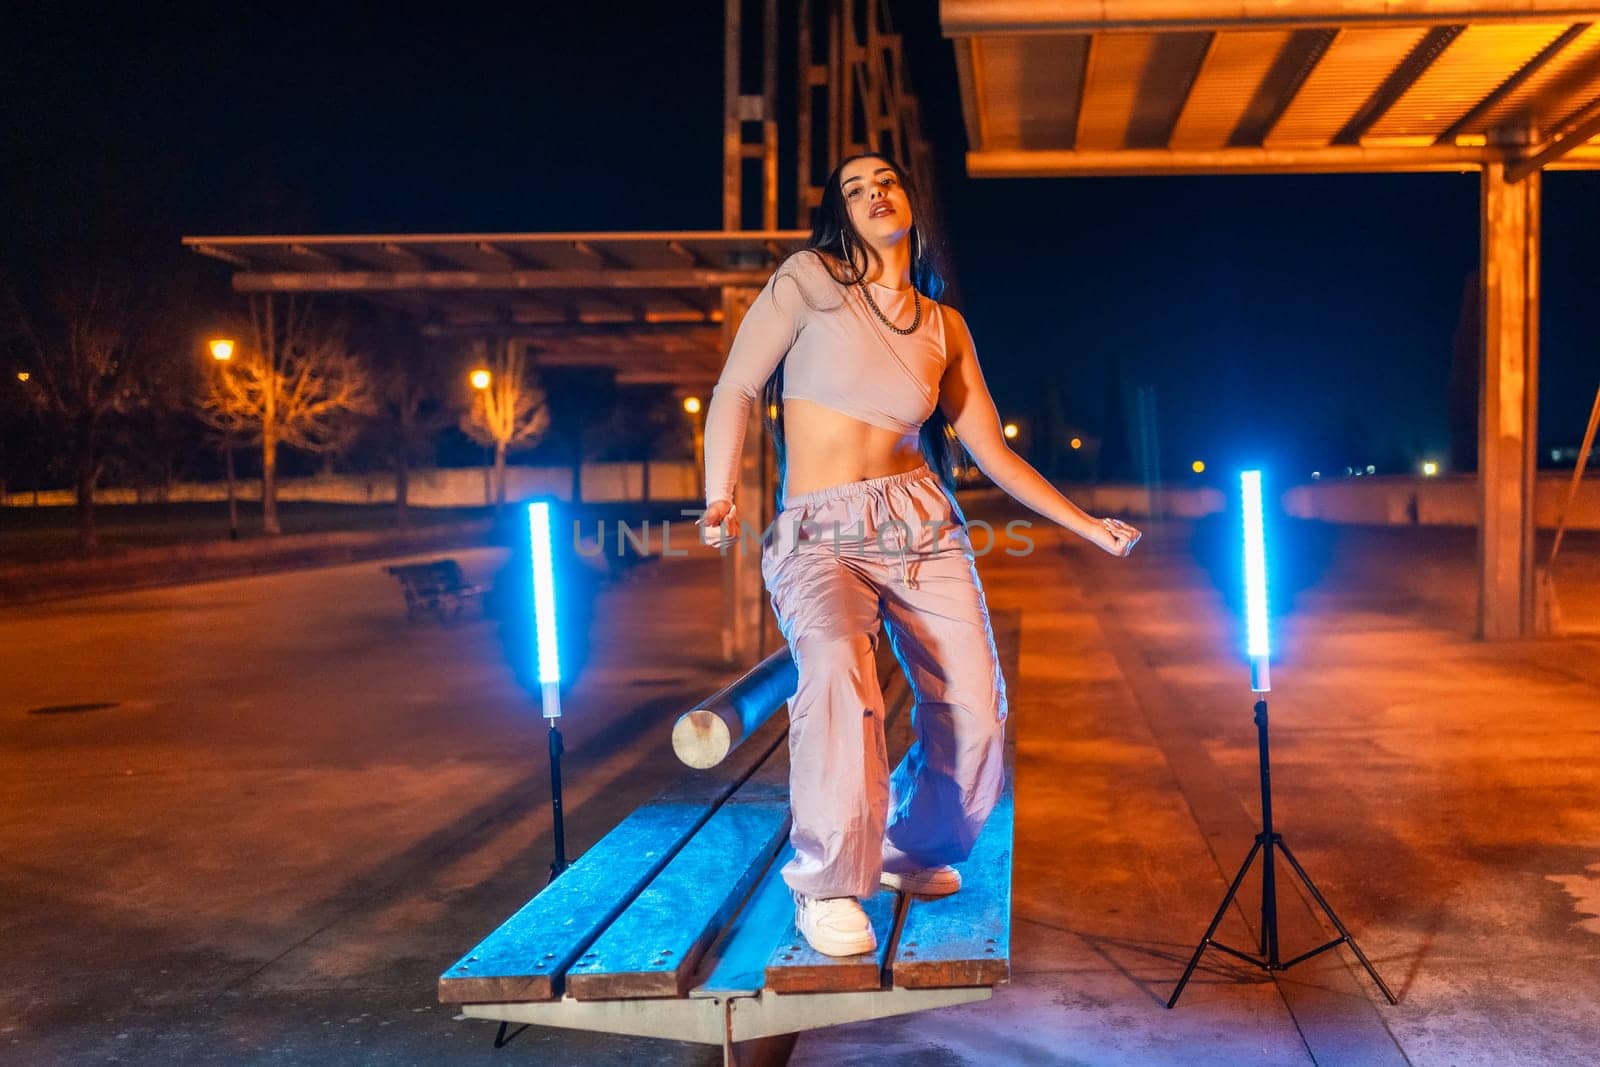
1255, 583
547, 651
1268, 841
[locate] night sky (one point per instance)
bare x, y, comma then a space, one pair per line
1268, 312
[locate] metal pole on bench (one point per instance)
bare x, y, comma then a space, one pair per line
548, 652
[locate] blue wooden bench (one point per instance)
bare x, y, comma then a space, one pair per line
677, 925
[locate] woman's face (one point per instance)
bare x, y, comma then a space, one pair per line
878, 204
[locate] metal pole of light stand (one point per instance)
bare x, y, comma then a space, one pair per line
552, 699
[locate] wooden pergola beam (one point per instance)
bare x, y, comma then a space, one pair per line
351, 281
1575, 133
1349, 159
960, 18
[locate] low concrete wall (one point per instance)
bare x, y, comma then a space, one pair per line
452, 487
1398, 500
176, 564
465, 487
1375, 501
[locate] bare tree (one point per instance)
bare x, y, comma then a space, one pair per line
91, 343
644, 423
413, 390
294, 382
508, 407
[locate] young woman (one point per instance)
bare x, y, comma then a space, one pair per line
862, 374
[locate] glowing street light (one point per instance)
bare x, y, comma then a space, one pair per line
221, 349
23, 376
1198, 466
1076, 443
1430, 468
480, 379
1010, 430
692, 405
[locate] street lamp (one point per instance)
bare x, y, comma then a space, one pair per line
1198, 466
222, 354
692, 405
480, 379
1010, 430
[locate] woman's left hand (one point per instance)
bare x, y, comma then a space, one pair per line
1115, 536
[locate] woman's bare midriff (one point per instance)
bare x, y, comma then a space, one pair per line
827, 448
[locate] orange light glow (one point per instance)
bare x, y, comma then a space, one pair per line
1077, 443
1010, 430
691, 404
221, 349
479, 378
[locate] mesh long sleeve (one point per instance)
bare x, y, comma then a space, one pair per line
769, 329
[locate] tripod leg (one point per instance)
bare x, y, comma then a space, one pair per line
1216, 920
1337, 925
1269, 902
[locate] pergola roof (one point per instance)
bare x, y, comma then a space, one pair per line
558, 279
1070, 87
648, 304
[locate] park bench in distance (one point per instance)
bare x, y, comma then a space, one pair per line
676, 924
437, 587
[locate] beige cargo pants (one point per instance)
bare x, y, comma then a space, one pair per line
835, 562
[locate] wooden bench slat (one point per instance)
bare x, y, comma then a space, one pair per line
739, 961
528, 955
796, 967
964, 939
654, 947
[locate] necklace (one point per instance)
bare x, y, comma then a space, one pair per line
916, 319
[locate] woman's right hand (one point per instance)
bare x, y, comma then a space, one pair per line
719, 525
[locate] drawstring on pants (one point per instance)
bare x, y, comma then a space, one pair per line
880, 493
905, 577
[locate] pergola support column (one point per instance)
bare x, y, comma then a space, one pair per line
748, 632
1508, 409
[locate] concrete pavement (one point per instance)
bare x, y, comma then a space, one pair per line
294, 811
1442, 792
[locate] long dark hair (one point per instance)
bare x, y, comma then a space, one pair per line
834, 234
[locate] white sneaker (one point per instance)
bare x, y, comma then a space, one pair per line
834, 926
928, 882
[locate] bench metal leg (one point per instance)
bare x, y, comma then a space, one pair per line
501, 1040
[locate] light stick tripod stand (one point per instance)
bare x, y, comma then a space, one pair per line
1268, 842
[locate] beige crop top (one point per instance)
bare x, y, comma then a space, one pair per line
838, 355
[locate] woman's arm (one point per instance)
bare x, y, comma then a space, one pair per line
965, 400
766, 334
